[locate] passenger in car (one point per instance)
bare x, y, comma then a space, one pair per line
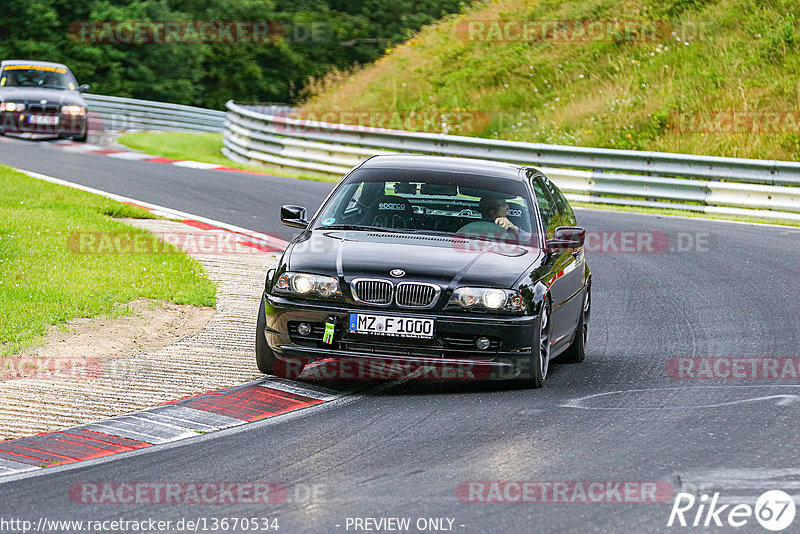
12, 80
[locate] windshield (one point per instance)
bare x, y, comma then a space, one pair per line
37, 76
430, 202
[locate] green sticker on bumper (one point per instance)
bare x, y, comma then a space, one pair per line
328, 337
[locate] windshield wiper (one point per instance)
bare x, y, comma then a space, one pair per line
431, 232
360, 227
452, 235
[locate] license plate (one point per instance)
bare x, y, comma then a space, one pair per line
384, 325
50, 120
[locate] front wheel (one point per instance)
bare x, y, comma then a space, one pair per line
576, 352
265, 358
82, 137
539, 362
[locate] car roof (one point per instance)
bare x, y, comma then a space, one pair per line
444, 164
34, 63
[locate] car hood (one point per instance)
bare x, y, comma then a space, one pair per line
444, 260
35, 95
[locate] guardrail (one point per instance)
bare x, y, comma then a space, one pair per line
116, 113
746, 187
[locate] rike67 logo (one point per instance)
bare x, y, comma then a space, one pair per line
774, 510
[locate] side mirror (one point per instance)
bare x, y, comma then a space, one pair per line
566, 237
294, 216
83, 88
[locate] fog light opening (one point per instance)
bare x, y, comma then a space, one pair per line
482, 343
304, 329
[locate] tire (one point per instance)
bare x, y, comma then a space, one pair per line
576, 352
540, 360
265, 358
81, 138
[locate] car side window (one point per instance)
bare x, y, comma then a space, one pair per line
565, 210
547, 206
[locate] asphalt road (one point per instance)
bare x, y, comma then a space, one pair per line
403, 451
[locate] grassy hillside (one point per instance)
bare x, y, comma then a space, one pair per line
670, 90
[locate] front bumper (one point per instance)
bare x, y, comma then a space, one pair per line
451, 350
26, 122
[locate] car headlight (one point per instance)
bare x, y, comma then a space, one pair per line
304, 284
493, 299
73, 110
488, 298
11, 106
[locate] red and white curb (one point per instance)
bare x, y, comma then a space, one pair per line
177, 420
88, 148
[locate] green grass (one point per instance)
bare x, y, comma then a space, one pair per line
726, 55
203, 147
43, 281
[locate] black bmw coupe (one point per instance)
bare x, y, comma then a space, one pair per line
422, 262
41, 98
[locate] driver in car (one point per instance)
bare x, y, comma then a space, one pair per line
494, 211
49, 79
